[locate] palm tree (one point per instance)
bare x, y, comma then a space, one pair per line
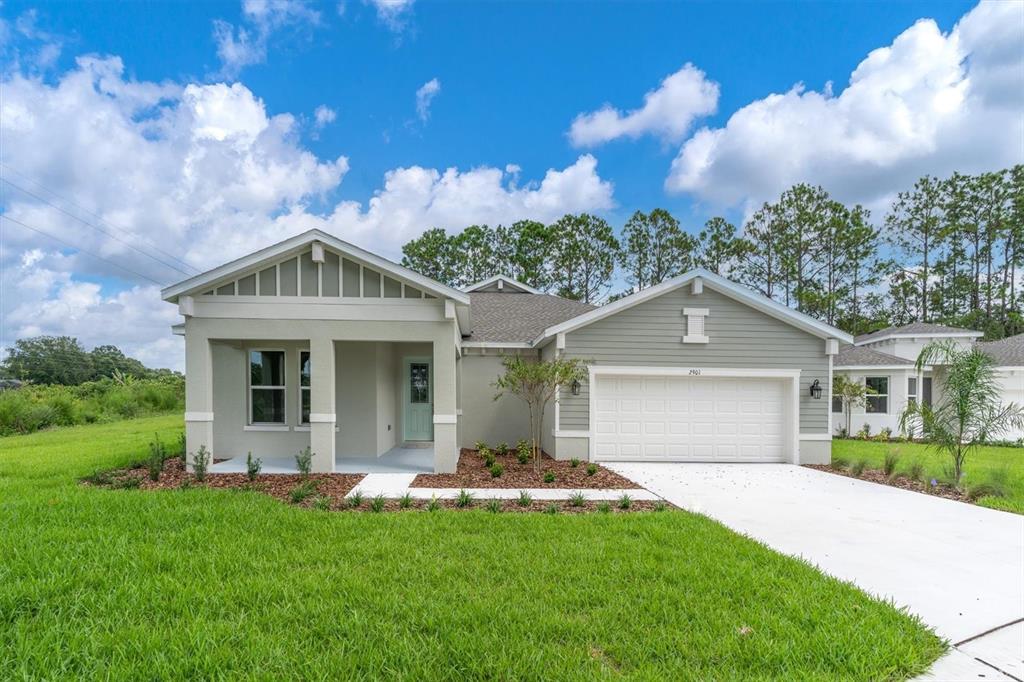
970, 411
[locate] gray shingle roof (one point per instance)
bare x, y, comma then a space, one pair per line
518, 317
858, 356
1008, 352
913, 328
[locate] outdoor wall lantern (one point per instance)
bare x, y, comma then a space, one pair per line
816, 390
575, 387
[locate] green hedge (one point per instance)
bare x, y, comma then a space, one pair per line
34, 407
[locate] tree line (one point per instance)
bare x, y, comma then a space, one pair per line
948, 250
63, 360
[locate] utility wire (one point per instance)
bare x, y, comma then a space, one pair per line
78, 248
100, 219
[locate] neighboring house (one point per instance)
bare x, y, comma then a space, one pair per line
885, 362
316, 342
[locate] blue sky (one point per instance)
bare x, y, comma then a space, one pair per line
247, 162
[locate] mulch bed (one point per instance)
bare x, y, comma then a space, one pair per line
471, 472
509, 506
174, 476
898, 481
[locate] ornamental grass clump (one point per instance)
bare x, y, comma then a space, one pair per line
464, 499
591, 469
302, 491
577, 499
525, 499
497, 470
574, 462
892, 458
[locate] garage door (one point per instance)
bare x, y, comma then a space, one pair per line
683, 418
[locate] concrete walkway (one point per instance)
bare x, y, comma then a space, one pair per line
958, 566
396, 485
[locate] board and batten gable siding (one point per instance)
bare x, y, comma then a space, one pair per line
651, 333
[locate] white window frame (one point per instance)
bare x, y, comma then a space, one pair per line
912, 396
887, 395
298, 419
695, 330
249, 388
833, 405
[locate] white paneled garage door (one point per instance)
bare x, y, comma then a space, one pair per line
684, 418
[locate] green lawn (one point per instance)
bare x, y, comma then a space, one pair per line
988, 463
128, 584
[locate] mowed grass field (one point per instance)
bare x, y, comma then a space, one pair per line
129, 584
1001, 465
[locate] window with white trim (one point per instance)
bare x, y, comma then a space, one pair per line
695, 325
911, 390
837, 404
266, 387
305, 397
877, 399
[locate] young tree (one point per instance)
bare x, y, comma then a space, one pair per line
433, 254
970, 410
536, 383
583, 255
852, 393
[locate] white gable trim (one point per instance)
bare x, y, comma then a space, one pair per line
298, 242
503, 279
929, 335
719, 284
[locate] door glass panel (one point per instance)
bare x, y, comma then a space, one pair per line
419, 382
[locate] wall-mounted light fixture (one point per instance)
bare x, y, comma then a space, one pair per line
816, 390
575, 387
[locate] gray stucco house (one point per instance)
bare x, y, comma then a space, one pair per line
316, 342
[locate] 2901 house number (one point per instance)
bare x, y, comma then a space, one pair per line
694, 372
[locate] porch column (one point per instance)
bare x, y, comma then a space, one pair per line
322, 415
198, 396
446, 451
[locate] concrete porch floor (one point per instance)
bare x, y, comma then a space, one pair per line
407, 458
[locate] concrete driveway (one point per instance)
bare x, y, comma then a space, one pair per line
958, 566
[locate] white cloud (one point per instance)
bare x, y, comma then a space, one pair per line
667, 112
424, 96
929, 103
393, 13
238, 47
203, 173
324, 115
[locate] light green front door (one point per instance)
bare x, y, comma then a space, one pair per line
418, 381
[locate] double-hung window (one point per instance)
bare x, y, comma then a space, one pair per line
304, 387
837, 404
911, 390
877, 399
266, 387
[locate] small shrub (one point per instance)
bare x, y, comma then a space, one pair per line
577, 499
501, 448
843, 433
549, 476
128, 483
865, 432
574, 462
155, 463
200, 462
185, 484
839, 463
464, 499
99, 478
434, 504
494, 506
181, 447
302, 491
355, 500
857, 468
523, 451
976, 491
322, 503
377, 504
489, 460
659, 505
591, 469
480, 446
625, 502
916, 470
604, 507
884, 435
405, 501
892, 458
497, 470
304, 461
525, 499
551, 509
252, 466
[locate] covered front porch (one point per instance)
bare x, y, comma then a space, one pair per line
408, 458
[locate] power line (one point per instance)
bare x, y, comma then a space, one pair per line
98, 217
78, 248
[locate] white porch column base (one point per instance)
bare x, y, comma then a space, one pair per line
198, 397
322, 410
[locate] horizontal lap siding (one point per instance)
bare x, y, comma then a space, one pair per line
740, 337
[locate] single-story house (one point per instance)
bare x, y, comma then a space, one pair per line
885, 361
316, 342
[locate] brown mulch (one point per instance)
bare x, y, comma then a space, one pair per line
174, 476
510, 506
897, 481
471, 472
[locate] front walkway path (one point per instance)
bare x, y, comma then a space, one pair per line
396, 485
958, 566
